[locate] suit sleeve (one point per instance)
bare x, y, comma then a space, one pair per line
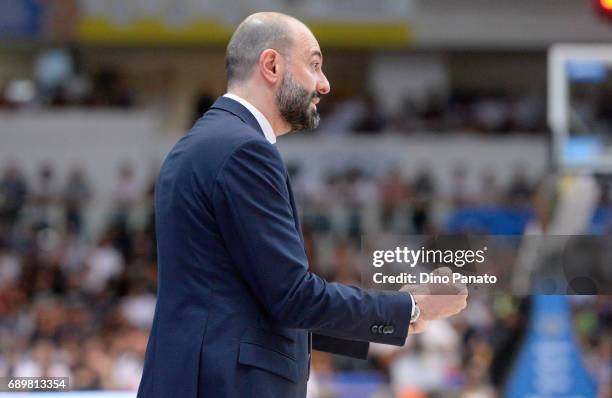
252, 206
349, 348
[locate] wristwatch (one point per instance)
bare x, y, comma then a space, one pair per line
416, 311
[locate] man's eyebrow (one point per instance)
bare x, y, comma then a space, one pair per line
316, 53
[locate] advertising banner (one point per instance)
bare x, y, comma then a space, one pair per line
342, 23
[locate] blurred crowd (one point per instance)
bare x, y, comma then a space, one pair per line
80, 304
71, 304
474, 111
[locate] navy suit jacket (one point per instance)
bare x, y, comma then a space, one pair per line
237, 310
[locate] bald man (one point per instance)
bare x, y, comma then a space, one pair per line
238, 313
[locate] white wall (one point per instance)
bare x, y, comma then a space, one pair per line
502, 24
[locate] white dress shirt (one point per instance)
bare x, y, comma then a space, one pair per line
261, 119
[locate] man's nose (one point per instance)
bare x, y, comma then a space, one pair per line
323, 85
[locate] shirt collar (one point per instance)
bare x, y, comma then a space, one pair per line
261, 119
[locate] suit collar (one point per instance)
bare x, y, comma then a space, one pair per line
234, 107
264, 123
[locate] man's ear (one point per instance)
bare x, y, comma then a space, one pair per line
271, 65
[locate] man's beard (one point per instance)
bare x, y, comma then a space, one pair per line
294, 102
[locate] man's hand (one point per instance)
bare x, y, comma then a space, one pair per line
440, 306
437, 301
418, 326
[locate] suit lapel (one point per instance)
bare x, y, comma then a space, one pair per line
234, 107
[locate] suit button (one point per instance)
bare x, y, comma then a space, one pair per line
374, 329
388, 329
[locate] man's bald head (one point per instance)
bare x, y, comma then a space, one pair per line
255, 34
274, 62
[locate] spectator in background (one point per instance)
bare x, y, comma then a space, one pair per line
104, 263
520, 189
128, 348
527, 114
98, 365
138, 306
459, 188
79, 322
73, 251
76, 195
406, 119
344, 261
393, 193
126, 196
127, 192
492, 112
489, 194
423, 191
13, 191
10, 265
46, 193
372, 120
423, 186
42, 361
433, 113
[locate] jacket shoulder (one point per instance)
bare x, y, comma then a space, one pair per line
225, 131
203, 151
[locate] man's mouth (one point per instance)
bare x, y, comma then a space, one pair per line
315, 101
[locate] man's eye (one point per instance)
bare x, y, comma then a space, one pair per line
316, 66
